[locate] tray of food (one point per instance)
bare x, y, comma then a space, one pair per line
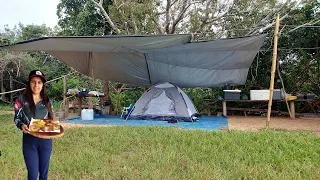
45, 128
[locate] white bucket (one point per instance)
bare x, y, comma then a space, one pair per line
87, 114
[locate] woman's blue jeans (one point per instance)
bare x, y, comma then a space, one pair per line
36, 152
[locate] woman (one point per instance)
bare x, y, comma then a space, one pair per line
34, 103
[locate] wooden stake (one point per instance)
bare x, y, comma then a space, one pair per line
273, 68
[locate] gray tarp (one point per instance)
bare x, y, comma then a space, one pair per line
149, 59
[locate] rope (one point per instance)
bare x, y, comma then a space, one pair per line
17, 90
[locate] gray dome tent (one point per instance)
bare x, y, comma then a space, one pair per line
164, 101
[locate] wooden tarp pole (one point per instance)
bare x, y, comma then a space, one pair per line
93, 81
65, 99
89, 98
273, 68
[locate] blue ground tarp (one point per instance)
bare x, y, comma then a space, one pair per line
205, 122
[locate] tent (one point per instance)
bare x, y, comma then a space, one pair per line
150, 59
164, 101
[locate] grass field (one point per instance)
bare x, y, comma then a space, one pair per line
125, 152
56, 106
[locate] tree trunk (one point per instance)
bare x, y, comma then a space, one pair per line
2, 88
106, 98
118, 102
106, 91
11, 88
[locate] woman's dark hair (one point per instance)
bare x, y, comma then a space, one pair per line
44, 96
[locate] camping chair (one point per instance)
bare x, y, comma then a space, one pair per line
126, 111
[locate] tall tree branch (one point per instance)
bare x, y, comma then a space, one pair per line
266, 27
159, 27
180, 16
134, 24
315, 21
106, 16
167, 23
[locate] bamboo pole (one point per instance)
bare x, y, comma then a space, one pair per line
273, 68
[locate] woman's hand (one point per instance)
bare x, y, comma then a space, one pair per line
24, 128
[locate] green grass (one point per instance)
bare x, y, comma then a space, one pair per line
124, 152
56, 106
6, 107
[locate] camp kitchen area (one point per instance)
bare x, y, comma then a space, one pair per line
84, 100
279, 96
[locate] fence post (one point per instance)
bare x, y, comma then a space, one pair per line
11, 88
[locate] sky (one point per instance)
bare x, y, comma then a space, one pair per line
27, 12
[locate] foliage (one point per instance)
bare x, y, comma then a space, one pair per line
128, 95
134, 16
19, 65
10, 36
301, 67
131, 96
79, 18
126, 152
55, 89
204, 98
30, 32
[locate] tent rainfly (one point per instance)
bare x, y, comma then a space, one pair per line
166, 102
150, 59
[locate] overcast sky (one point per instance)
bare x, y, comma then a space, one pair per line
35, 12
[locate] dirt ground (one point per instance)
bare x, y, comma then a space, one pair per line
255, 123
249, 123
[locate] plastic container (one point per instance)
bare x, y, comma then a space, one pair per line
245, 97
232, 94
87, 114
310, 96
276, 94
264, 94
300, 97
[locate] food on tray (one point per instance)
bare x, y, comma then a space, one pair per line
34, 128
39, 125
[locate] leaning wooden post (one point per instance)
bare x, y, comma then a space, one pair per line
273, 68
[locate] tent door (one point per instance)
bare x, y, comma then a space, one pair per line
161, 105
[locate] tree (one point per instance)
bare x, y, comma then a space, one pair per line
206, 19
80, 18
190, 16
18, 64
11, 64
302, 66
